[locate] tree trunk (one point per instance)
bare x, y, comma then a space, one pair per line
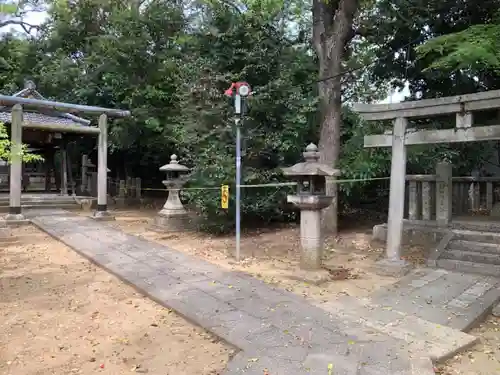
332, 31
329, 146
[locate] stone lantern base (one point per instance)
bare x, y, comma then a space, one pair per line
179, 222
311, 238
103, 216
173, 219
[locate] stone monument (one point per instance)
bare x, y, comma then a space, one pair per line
173, 217
311, 199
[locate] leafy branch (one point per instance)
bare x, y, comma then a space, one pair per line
6, 149
476, 47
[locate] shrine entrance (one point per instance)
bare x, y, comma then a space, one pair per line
430, 199
47, 127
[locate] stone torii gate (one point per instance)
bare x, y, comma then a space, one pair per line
401, 136
19, 105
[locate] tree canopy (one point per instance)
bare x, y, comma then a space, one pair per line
170, 62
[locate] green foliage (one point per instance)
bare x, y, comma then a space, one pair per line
277, 126
476, 48
5, 149
7, 8
396, 29
170, 62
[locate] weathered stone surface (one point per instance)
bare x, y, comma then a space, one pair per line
439, 249
472, 256
103, 216
174, 223
479, 247
254, 364
443, 193
496, 311
367, 359
422, 338
389, 267
465, 267
452, 299
16, 220
274, 329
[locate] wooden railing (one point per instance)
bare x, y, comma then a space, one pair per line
469, 195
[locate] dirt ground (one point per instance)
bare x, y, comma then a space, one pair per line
272, 256
482, 359
62, 315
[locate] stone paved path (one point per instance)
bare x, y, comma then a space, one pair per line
452, 299
274, 329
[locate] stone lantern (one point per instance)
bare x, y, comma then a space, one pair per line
311, 198
173, 216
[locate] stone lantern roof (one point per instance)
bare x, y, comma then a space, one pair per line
311, 166
174, 166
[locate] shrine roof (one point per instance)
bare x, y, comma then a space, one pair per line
41, 116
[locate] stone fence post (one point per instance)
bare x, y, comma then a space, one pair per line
443, 193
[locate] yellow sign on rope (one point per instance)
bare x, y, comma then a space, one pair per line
224, 197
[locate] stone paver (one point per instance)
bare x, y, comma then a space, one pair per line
421, 337
273, 328
496, 311
448, 298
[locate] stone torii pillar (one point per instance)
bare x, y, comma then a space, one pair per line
460, 106
393, 264
102, 212
16, 165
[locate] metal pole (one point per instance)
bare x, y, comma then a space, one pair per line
237, 120
242, 91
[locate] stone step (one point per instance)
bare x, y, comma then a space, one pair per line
479, 225
420, 337
469, 267
477, 236
454, 299
471, 256
41, 202
367, 358
474, 246
65, 206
